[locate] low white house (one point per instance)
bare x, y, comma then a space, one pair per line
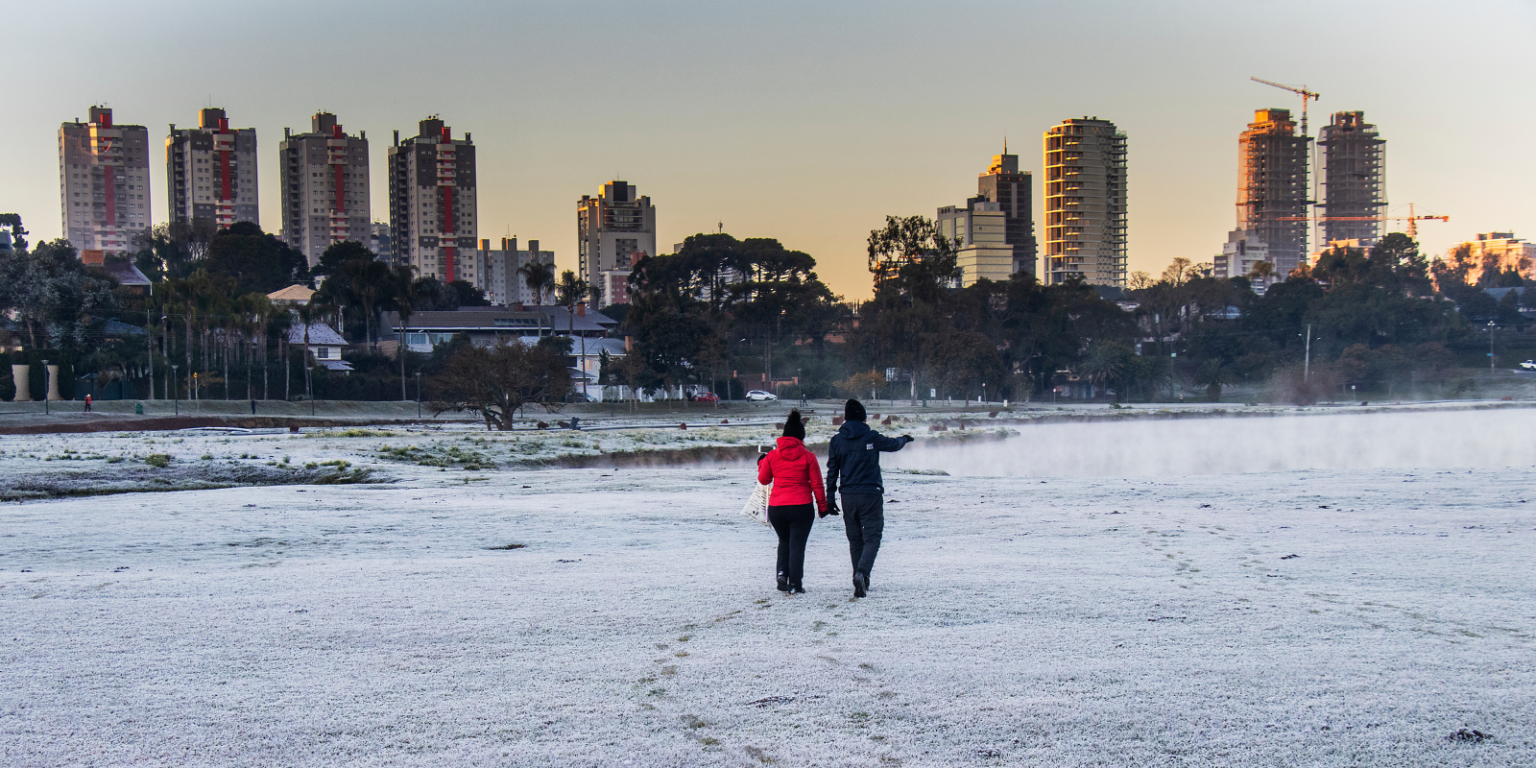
325, 345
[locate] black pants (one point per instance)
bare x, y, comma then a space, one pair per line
864, 517
793, 524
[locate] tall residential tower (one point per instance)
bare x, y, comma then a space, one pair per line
325, 187
1085, 202
432, 201
1354, 179
103, 182
613, 231
996, 228
210, 172
1272, 195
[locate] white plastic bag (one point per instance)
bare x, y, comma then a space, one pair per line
757, 504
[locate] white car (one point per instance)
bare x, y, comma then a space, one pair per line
757, 396
1529, 365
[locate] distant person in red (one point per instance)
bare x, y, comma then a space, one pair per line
796, 477
87, 403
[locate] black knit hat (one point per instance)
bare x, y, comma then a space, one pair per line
853, 411
794, 426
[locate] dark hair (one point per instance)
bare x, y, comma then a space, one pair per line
794, 426
853, 411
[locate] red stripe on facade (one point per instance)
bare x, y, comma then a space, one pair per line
341, 198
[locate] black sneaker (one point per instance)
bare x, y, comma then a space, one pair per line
859, 584
797, 589
783, 584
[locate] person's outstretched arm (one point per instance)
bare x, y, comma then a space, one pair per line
891, 444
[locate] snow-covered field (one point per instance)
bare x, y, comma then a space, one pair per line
1054, 601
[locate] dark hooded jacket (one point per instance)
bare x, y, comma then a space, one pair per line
853, 459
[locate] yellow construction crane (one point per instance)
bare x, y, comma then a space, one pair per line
1412, 219
1305, 94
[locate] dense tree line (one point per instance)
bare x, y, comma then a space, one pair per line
724, 312
208, 315
722, 306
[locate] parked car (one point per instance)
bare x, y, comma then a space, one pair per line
703, 397
757, 395
1529, 365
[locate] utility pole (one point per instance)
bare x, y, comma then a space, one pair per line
47, 386
1306, 366
1490, 347
149, 343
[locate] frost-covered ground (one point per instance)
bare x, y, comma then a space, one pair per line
1083, 611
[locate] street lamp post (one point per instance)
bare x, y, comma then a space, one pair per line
176, 387
47, 386
730, 390
166, 334
418, 395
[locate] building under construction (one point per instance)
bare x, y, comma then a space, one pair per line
1085, 202
1354, 180
1272, 192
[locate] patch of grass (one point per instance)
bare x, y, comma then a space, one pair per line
343, 477
508, 546
435, 456
353, 433
158, 460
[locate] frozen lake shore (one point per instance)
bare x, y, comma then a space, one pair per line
1079, 612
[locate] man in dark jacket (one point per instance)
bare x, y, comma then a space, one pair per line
853, 465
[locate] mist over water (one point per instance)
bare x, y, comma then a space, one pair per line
1220, 446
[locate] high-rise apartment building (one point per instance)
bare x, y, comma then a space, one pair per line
1354, 179
210, 173
325, 187
995, 230
1240, 257
432, 200
1501, 251
980, 231
104, 182
1085, 202
1014, 193
500, 279
613, 230
381, 242
1272, 193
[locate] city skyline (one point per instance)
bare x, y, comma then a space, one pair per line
829, 123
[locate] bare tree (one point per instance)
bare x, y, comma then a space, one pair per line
496, 381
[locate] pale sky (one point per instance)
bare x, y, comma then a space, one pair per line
804, 121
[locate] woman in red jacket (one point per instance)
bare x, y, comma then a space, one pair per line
796, 476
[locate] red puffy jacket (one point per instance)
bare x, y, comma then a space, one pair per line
795, 475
